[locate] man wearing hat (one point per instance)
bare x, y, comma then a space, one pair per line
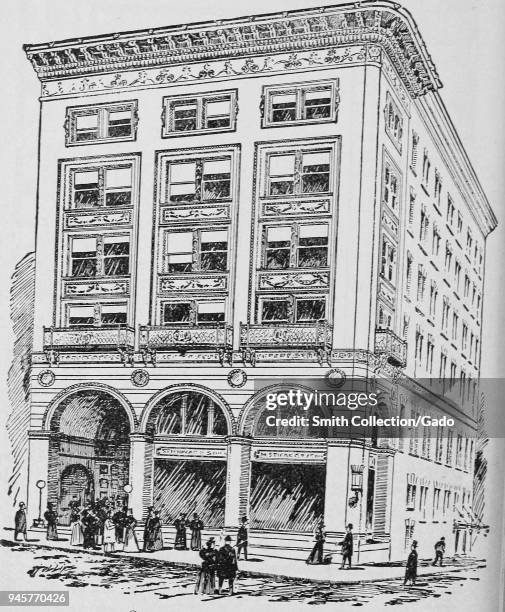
411, 568
226, 565
439, 551
20, 521
242, 538
347, 547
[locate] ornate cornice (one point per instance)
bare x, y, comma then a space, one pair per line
362, 23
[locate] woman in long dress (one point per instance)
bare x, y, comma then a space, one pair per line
130, 538
157, 536
51, 520
77, 535
206, 581
109, 535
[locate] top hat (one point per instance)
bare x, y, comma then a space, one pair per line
442, 538
414, 543
350, 526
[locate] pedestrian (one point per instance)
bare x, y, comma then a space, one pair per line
148, 544
411, 568
206, 581
157, 535
118, 518
76, 536
196, 526
439, 552
109, 535
130, 538
347, 547
226, 565
316, 555
51, 521
88, 528
242, 538
181, 542
20, 522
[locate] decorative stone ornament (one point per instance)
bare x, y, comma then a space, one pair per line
139, 378
46, 378
237, 378
335, 377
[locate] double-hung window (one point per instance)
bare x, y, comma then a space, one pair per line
391, 187
101, 187
193, 312
292, 309
99, 256
101, 123
300, 172
199, 180
300, 103
196, 251
298, 245
96, 315
203, 113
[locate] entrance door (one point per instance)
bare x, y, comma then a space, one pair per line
76, 483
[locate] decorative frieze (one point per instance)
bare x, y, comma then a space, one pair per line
78, 220
296, 34
171, 213
96, 288
294, 280
295, 208
192, 283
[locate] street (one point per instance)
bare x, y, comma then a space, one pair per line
130, 583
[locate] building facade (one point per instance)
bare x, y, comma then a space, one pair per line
226, 206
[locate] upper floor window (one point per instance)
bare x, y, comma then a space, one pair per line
292, 309
426, 168
299, 172
438, 187
300, 103
101, 186
99, 256
195, 250
193, 312
96, 314
388, 261
391, 187
101, 123
414, 151
200, 180
208, 112
393, 122
297, 245
451, 209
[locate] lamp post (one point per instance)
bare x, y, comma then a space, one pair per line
39, 522
128, 489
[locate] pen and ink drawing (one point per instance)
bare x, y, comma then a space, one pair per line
225, 210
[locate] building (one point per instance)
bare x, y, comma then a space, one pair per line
229, 204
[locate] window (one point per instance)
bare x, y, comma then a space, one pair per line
436, 503
469, 242
443, 367
391, 187
208, 112
411, 496
108, 186
466, 287
448, 455
388, 261
101, 123
393, 122
433, 298
455, 321
300, 172
459, 228
448, 256
300, 103
193, 312
439, 444
195, 251
385, 318
423, 494
414, 151
421, 283
419, 345
457, 274
424, 225
99, 256
438, 188
464, 337
202, 180
290, 309
445, 313
96, 315
430, 347
426, 169
408, 272
297, 245
412, 206
450, 211
435, 242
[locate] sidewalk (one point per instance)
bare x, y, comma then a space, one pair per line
271, 567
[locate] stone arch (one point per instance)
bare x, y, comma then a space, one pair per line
173, 389
73, 389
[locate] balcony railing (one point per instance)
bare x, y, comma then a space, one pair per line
205, 337
88, 338
296, 335
386, 341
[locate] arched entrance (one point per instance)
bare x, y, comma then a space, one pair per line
187, 429
89, 450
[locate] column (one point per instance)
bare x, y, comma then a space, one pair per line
335, 496
140, 466
38, 472
238, 477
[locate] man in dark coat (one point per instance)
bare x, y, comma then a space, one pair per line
316, 555
439, 552
119, 520
181, 542
347, 547
20, 521
51, 522
411, 568
196, 526
226, 565
242, 538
